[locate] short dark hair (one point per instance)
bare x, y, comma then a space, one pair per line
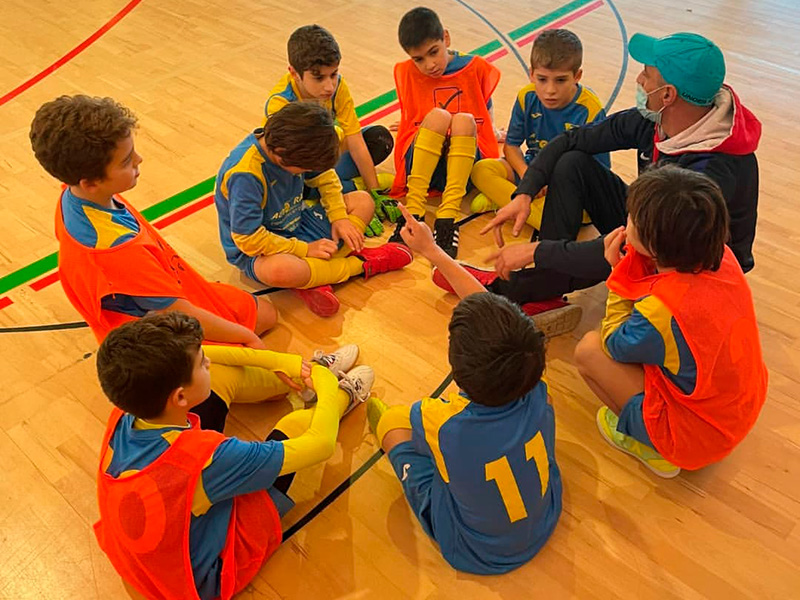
496, 353
557, 49
680, 217
74, 137
312, 46
303, 135
419, 25
142, 362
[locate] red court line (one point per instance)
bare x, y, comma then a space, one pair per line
42, 283
5, 302
184, 212
497, 55
561, 22
71, 54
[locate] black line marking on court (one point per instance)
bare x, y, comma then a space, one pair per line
45, 327
347, 483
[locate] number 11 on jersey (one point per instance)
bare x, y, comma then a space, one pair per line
500, 472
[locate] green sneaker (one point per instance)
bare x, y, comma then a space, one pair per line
375, 409
482, 204
607, 424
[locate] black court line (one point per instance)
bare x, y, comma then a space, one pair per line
46, 327
347, 483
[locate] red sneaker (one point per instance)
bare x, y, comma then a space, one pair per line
320, 300
553, 317
388, 257
485, 277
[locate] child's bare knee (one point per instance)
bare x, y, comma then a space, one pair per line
587, 350
266, 317
463, 124
437, 120
359, 202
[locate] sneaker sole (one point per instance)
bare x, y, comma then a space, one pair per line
321, 304
611, 443
559, 320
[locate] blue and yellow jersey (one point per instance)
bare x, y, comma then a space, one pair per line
535, 125
340, 105
496, 496
236, 467
259, 203
645, 332
95, 226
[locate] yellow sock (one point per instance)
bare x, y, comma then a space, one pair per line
297, 422
490, 177
245, 384
334, 270
460, 158
427, 152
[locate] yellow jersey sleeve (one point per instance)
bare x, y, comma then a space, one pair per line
344, 110
330, 194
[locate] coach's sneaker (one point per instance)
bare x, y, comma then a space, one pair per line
445, 234
396, 238
388, 257
484, 277
357, 382
320, 300
339, 361
482, 204
553, 317
375, 409
607, 424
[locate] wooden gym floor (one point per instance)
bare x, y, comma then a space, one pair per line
197, 73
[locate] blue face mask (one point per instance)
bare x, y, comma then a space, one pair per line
641, 104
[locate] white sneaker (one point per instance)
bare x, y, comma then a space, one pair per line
358, 384
339, 361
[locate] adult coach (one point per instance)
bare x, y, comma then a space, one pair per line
684, 115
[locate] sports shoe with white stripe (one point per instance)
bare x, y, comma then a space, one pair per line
339, 361
357, 382
445, 233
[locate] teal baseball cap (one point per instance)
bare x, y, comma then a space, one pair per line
692, 63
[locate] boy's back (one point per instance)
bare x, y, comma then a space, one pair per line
496, 492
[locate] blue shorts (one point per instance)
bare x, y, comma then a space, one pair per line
631, 420
439, 177
313, 225
415, 473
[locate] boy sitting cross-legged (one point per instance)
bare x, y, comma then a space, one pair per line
273, 235
479, 468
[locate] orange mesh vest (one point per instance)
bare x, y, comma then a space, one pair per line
465, 91
143, 266
144, 520
714, 310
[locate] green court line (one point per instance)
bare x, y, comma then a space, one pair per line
48, 263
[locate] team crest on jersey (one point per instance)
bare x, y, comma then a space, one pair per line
536, 115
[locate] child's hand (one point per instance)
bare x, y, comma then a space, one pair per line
415, 234
613, 244
343, 229
385, 207
500, 135
323, 248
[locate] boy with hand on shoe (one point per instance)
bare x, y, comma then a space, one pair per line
272, 234
677, 362
113, 265
445, 122
552, 103
314, 58
187, 512
478, 469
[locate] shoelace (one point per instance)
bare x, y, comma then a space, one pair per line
352, 385
328, 359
